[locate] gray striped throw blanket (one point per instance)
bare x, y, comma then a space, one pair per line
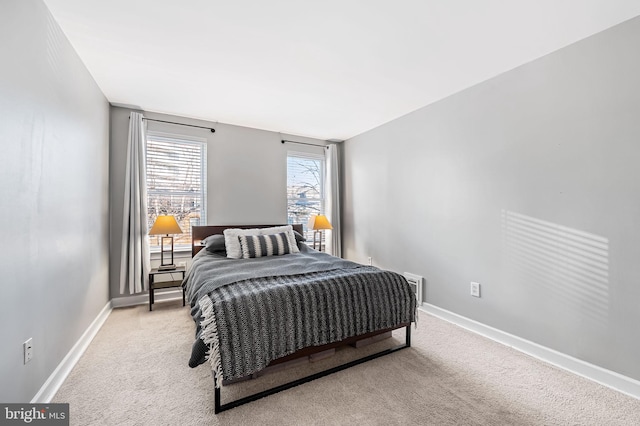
251, 322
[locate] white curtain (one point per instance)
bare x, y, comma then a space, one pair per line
135, 263
332, 200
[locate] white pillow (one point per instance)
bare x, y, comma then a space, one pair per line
232, 242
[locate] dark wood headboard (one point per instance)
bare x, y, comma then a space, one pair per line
199, 233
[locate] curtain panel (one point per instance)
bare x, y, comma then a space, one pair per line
332, 200
135, 261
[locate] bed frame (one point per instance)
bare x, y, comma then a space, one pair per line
199, 233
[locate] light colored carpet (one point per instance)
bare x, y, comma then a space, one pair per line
135, 373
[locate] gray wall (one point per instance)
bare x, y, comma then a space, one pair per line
53, 193
528, 183
246, 174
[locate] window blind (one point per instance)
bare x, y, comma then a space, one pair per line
176, 183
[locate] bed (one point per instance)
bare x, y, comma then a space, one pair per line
261, 310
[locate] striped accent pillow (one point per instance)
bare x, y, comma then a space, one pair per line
264, 245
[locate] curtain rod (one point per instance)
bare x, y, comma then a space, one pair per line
180, 124
304, 143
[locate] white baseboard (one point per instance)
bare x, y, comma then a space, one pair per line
592, 372
143, 299
55, 380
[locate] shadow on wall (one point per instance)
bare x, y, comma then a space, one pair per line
570, 264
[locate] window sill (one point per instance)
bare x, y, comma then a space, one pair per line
179, 253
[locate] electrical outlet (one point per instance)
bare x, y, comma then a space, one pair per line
370, 261
183, 263
28, 350
475, 289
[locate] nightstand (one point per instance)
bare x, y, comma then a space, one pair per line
165, 284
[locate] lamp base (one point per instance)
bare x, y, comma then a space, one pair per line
166, 267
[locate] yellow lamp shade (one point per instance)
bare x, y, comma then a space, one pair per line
165, 224
320, 222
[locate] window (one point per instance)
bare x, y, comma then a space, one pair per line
176, 183
305, 188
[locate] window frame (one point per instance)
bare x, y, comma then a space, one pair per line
188, 140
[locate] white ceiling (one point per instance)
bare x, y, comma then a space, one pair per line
325, 69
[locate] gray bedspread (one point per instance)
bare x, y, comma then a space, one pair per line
249, 312
210, 271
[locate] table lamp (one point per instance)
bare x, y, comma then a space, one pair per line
318, 224
165, 225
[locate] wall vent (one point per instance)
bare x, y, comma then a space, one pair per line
415, 281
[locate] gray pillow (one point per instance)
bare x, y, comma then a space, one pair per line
214, 243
